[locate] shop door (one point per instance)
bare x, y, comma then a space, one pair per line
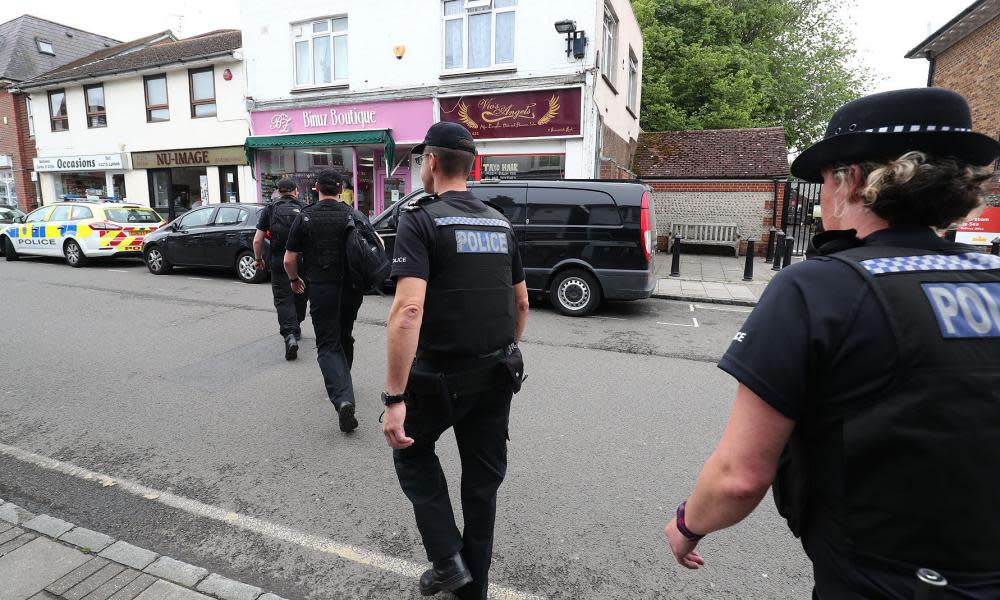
160, 192
229, 184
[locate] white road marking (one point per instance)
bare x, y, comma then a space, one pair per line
115, 271
609, 318
723, 309
355, 554
199, 279
692, 307
694, 323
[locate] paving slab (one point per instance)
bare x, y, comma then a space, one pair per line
10, 534
164, 590
35, 565
227, 589
113, 585
88, 585
177, 571
14, 544
87, 539
14, 514
129, 555
133, 589
43, 595
64, 583
49, 526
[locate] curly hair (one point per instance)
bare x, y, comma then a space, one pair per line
918, 189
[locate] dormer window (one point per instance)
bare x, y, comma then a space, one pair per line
45, 47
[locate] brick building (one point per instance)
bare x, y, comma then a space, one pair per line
715, 176
30, 46
964, 56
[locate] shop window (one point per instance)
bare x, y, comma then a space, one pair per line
478, 34
97, 115
555, 206
118, 185
58, 116
80, 213
300, 165
157, 103
610, 53
229, 215
320, 50
526, 166
202, 84
81, 185
229, 184
8, 190
633, 82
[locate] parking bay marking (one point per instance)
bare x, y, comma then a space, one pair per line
745, 311
276, 531
693, 323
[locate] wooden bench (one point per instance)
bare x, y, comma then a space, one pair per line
713, 234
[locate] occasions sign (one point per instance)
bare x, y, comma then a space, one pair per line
547, 113
982, 230
91, 162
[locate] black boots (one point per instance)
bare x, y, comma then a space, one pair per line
445, 576
291, 346
347, 421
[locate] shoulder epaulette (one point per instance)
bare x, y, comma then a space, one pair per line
417, 203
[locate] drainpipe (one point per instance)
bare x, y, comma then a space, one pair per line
931, 62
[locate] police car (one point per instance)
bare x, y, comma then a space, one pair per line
79, 231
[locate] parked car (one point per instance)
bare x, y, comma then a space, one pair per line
219, 236
79, 231
8, 216
581, 241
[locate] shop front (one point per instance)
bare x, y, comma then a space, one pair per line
89, 177
179, 180
369, 144
521, 135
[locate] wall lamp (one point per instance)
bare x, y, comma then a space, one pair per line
576, 41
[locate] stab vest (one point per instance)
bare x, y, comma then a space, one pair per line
918, 462
324, 257
283, 214
469, 306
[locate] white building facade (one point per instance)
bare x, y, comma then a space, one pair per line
161, 124
354, 85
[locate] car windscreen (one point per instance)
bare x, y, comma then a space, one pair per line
132, 215
7, 215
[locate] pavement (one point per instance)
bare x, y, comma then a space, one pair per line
711, 278
45, 558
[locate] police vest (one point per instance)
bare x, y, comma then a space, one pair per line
324, 257
918, 462
283, 214
469, 305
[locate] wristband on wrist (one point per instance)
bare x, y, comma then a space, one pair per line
682, 526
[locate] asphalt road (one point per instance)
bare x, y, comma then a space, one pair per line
179, 383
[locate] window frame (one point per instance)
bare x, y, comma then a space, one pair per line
151, 107
309, 37
86, 106
632, 98
31, 116
493, 11
50, 52
53, 118
212, 100
609, 59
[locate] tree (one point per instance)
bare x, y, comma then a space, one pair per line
711, 64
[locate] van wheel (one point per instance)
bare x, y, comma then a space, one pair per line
575, 293
246, 268
74, 254
8, 250
156, 262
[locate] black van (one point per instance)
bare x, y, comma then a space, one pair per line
581, 241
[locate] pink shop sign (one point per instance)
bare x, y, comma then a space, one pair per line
409, 120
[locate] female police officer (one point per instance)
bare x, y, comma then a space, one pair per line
870, 376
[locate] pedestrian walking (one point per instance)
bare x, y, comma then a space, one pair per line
319, 236
461, 305
276, 221
869, 375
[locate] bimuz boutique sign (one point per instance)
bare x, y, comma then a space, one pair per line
546, 113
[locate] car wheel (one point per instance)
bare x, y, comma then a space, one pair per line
74, 254
8, 250
246, 268
156, 262
575, 293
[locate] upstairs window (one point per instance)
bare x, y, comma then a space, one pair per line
633, 81
157, 104
202, 83
478, 34
320, 50
97, 115
31, 117
45, 47
610, 55
58, 117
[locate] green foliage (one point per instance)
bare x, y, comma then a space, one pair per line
711, 64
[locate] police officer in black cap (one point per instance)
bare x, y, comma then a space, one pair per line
870, 374
461, 305
277, 219
319, 235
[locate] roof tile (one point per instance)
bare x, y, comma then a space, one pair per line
712, 154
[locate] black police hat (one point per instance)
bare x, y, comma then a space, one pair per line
447, 135
890, 124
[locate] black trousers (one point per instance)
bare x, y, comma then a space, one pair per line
291, 307
480, 420
333, 310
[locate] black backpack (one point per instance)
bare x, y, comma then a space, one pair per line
283, 214
367, 263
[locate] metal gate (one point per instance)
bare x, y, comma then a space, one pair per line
801, 217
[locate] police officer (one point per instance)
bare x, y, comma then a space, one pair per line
869, 375
319, 236
461, 305
277, 218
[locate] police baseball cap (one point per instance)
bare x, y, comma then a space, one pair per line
447, 135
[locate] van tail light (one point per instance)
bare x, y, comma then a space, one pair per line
105, 226
646, 227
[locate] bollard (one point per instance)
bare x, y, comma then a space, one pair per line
675, 262
789, 248
777, 250
748, 269
930, 585
770, 244
995, 247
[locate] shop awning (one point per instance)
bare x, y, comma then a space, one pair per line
343, 138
